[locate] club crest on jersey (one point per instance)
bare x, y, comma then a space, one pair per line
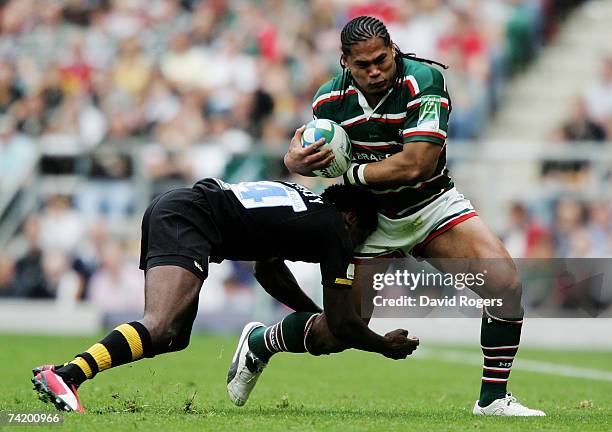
429, 114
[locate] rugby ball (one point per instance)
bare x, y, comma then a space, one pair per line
336, 139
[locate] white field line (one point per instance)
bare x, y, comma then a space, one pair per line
519, 364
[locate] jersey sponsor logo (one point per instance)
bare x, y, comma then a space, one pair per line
369, 156
429, 114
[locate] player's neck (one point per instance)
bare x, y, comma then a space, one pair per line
373, 100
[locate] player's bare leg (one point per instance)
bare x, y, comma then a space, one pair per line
501, 326
171, 296
171, 302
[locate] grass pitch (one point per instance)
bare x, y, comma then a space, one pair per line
349, 391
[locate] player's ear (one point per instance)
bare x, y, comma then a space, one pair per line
350, 218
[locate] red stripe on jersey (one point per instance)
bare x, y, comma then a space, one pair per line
419, 133
333, 98
410, 87
361, 120
388, 120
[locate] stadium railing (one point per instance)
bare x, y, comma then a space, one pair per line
18, 198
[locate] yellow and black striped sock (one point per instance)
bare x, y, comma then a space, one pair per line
126, 343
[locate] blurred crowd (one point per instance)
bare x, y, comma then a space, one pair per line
59, 256
203, 80
195, 86
571, 228
570, 222
591, 117
589, 124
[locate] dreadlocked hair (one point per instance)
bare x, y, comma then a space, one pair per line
363, 28
352, 198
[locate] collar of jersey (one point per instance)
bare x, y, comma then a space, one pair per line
365, 106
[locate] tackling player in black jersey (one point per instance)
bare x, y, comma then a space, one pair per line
268, 222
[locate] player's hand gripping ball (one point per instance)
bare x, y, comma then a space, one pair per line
336, 139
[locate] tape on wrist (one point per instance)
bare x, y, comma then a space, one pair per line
356, 174
360, 177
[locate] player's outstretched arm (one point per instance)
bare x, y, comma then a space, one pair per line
304, 160
345, 324
278, 281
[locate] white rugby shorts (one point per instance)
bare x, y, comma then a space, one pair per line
410, 234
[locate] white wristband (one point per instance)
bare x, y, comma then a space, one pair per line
356, 174
361, 174
348, 175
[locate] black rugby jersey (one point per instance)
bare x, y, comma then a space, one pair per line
272, 219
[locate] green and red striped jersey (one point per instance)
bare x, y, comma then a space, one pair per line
417, 110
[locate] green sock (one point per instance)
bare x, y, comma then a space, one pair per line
288, 335
499, 340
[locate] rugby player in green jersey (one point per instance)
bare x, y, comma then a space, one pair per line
395, 109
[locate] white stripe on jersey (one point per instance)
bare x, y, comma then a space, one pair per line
331, 94
414, 83
410, 104
353, 120
417, 129
389, 116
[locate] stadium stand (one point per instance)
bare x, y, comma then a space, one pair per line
106, 103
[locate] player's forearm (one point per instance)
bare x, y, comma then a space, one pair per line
416, 162
346, 325
355, 334
278, 281
389, 171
